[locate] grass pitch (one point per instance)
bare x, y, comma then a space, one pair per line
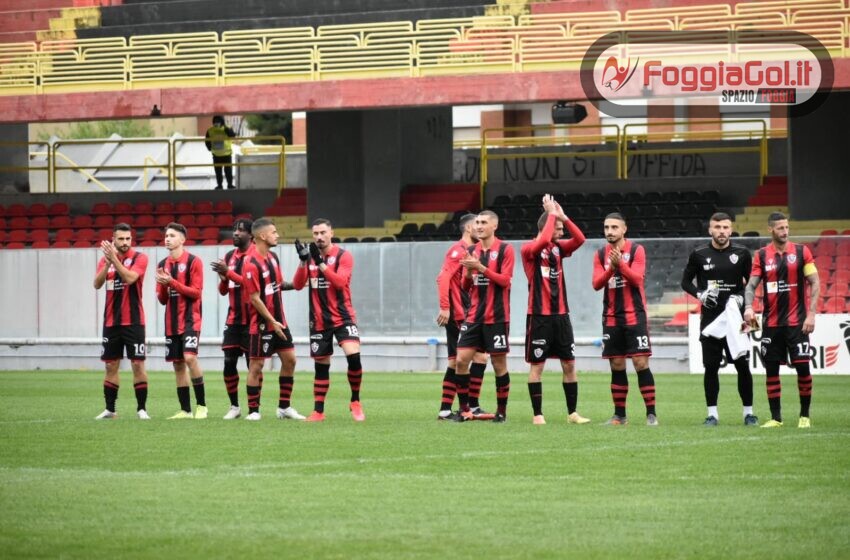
402, 485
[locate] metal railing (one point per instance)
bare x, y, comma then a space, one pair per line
429, 47
637, 143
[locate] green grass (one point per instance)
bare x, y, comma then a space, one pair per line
403, 485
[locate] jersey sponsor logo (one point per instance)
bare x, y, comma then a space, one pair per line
105, 340
270, 289
733, 258
181, 267
539, 341
314, 283
110, 285
314, 346
772, 287
267, 336
707, 266
770, 267
463, 328
792, 258
315, 336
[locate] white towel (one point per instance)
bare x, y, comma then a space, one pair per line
728, 326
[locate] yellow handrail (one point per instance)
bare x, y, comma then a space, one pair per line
78, 169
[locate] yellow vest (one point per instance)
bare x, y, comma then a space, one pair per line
219, 141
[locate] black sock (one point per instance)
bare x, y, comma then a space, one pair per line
285, 382
183, 397
355, 375
110, 395
253, 398
535, 391
463, 391
745, 380
647, 388
476, 379
141, 389
503, 390
711, 385
619, 391
804, 386
200, 394
571, 394
321, 385
449, 389
231, 379
774, 390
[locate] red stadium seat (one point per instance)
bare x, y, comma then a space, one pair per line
16, 210
40, 245
101, 208
245, 215
154, 235
206, 220
187, 220
2, 223
845, 232
86, 234
80, 222
124, 219
209, 242
39, 235
148, 243
3, 236
842, 262
209, 233
842, 277
59, 209
103, 234
37, 209
184, 207
81, 243
18, 236
18, 222
64, 235
103, 221
122, 208
40, 222
226, 242
223, 221
829, 232
143, 208
843, 249
223, 207
144, 221
59, 222
164, 208
163, 220
204, 207
834, 305
15, 245
61, 245
193, 233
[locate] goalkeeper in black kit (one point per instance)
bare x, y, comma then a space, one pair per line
721, 271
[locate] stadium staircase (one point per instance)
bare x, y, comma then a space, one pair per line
45, 20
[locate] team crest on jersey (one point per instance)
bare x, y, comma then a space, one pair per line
181, 267
331, 260
128, 262
556, 251
314, 347
538, 352
792, 258
627, 256
494, 255
454, 254
733, 258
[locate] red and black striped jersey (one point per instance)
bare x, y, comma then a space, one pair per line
452, 296
784, 283
543, 264
239, 312
490, 291
182, 298
624, 301
262, 276
124, 301
330, 291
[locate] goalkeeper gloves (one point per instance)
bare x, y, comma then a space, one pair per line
708, 298
316, 254
302, 250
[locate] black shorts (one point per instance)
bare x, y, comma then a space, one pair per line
452, 334
321, 342
118, 339
267, 344
177, 345
715, 351
492, 339
549, 336
778, 343
626, 341
236, 336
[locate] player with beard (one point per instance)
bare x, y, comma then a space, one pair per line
236, 337
721, 270
786, 268
122, 271
619, 268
